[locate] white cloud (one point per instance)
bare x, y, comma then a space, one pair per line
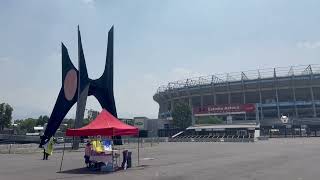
88, 1
4, 59
180, 73
149, 77
89, 4
135, 97
308, 44
154, 81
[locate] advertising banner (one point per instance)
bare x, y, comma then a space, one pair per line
224, 109
140, 123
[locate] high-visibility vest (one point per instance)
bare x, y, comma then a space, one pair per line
97, 146
49, 147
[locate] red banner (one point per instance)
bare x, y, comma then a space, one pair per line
225, 109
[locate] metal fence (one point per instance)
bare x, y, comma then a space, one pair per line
19, 148
209, 138
128, 143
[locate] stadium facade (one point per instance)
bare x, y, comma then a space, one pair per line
263, 96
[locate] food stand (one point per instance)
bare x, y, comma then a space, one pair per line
105, 124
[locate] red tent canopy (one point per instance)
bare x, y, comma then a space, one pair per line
105, 125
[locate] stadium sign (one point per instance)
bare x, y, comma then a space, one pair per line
139, 123
224, 109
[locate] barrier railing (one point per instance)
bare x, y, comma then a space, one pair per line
128, 143
212, 139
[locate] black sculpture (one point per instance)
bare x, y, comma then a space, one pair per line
77, 86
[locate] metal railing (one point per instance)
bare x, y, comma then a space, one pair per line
128, 143
212, 138
223, 78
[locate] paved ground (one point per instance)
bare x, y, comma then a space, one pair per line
284, 159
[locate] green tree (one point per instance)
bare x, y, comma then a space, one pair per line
69, 122
5, 115
86, 121
2, 120
42, 120
181, 115
92, 114
27, 125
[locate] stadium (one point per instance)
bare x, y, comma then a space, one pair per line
261, 96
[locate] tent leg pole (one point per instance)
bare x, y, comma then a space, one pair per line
112, 155
138, 151
64, 147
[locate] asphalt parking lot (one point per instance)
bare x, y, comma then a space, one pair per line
284, 159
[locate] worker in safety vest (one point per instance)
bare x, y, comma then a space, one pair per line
97, 146
48, 149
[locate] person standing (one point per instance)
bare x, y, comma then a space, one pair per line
97, 146
87, 154
48, 149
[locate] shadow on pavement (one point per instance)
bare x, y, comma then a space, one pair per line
83, 170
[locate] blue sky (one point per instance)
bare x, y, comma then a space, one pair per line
155, 42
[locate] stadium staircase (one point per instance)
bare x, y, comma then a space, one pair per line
183, 137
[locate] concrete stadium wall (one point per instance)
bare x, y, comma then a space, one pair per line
295, 96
